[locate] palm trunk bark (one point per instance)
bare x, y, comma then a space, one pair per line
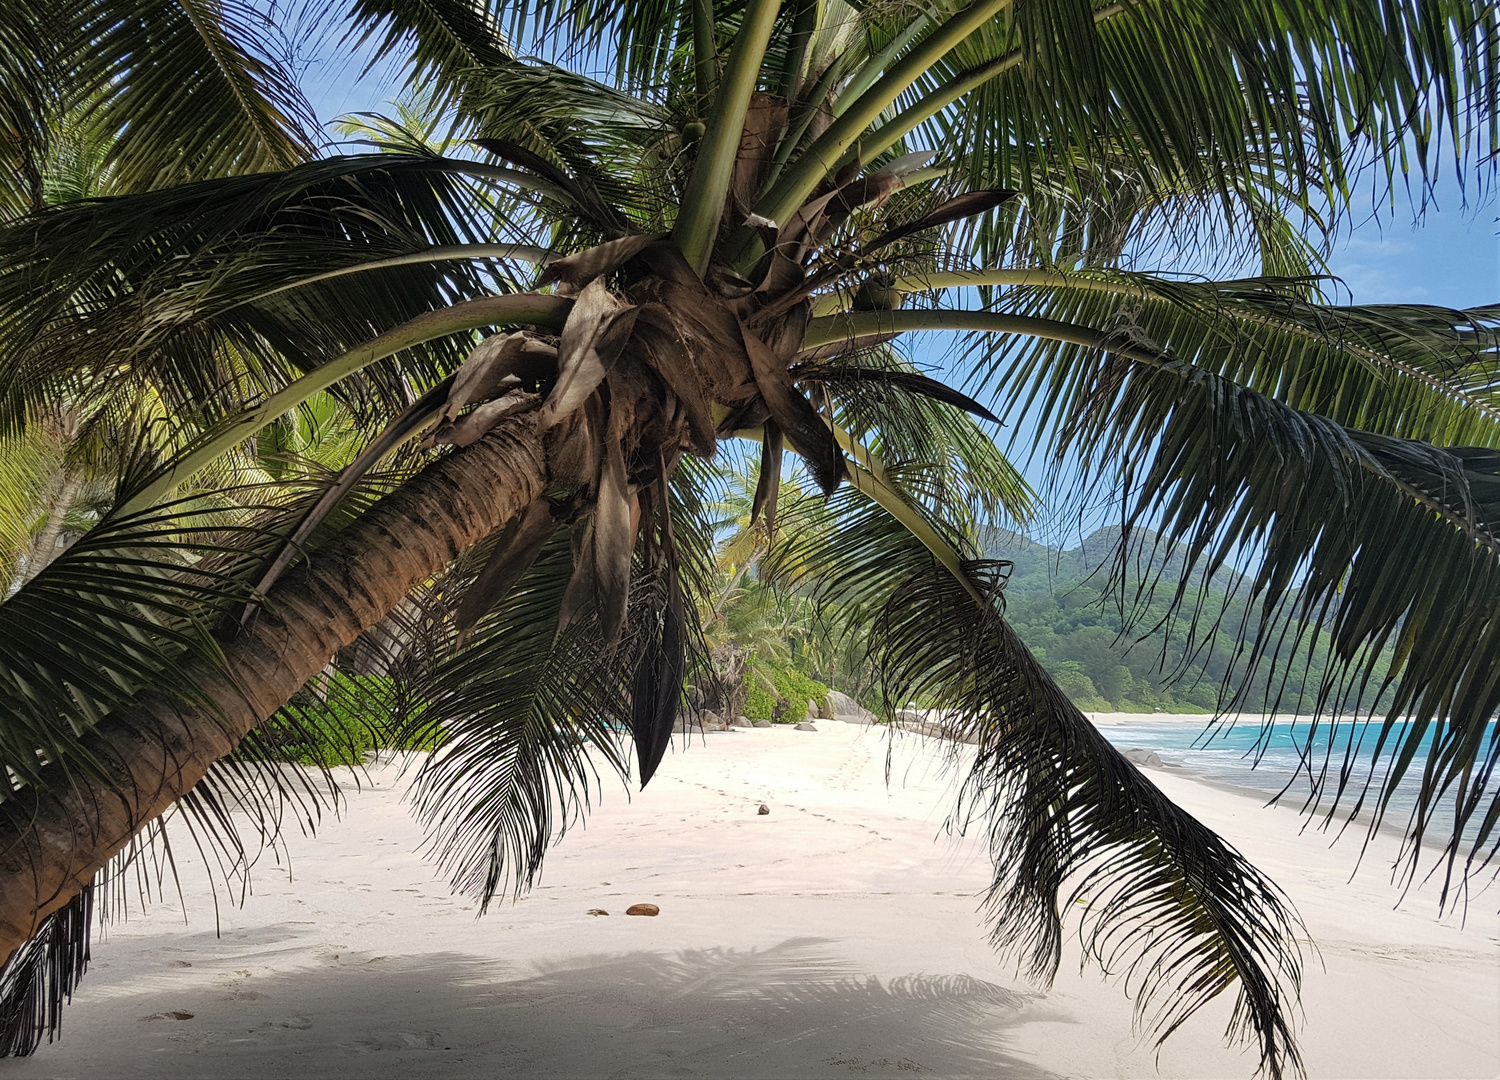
45, 548
55, 837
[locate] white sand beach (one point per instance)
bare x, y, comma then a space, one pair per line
836, 936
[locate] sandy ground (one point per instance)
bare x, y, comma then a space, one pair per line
836, 936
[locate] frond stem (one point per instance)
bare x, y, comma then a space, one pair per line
868, 475
872, 68
703, 202
850, 326
825, 153
534, 309
527, 253
705, 51
831, 303
804, 25
887, 135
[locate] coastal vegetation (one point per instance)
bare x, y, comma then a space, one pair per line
440, 419
1144, 657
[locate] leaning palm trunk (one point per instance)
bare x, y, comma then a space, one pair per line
57, 837
46, 542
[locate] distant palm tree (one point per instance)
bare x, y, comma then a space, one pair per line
722, 239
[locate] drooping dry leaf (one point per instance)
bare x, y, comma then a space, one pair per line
960, 206
575, 271
516, 549
874, 188
656, 688
764, 121
596, 331
614, 543
497, 364
799, 421
485, 373
471, 426
710, 333
768, 486
573, 448
746, 416
662, 349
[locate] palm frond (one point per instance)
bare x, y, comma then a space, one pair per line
1378, 542
524, 719
525, 716
1408, 371
946, 461
191, 289
39, 977
1164, 902
1284, 97
28, 467
132, 63
28, 101
598, 143
441, 39
118, 612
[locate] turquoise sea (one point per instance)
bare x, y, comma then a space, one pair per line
1288, 758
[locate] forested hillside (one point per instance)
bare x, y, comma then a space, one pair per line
1066, 609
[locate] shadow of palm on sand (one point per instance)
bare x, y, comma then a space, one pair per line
797, 1009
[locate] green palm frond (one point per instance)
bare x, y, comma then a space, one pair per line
602, 144
1068, 818
1312, 463
117, 612
135, 62
1349, 455
525, 716
1072, 824
439, 39
1375, 540
28, 465
215, 292
1409, 371
946, 460
1285, 94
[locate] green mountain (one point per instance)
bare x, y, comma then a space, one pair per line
1066, 608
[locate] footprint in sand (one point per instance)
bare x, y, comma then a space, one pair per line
291, 1023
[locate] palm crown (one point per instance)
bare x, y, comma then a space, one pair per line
725, 237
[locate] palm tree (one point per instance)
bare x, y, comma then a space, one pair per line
726, 238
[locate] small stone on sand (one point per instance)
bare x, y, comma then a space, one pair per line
764, 809
175, 1014
597, 911
643, 909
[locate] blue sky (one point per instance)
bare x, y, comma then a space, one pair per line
1450, 256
